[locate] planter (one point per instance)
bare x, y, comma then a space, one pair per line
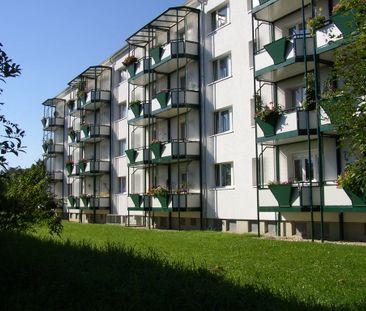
156, 149
163, 200
69, 168
44, 122
82, 166
346, 22
162, 98
357, 200
283, 194
268, 125
131, 155
277, 50
156, 54
136, 109
45, 147
85, 200
72, 201
136, 199
86, 130
131, 68
72, 136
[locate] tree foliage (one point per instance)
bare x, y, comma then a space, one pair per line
347, 91
10, 132
25, 200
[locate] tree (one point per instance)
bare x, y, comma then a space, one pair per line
10, 132
25, 200
347, 91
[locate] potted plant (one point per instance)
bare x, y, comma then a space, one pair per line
315, 23
69, 166
130, 62
155, 147
162, 194
283, 192
82, 164
135, 106
267, 117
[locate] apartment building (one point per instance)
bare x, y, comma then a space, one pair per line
164, 133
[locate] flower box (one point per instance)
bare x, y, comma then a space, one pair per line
155, 148
283, 194
277, 50
131, 155
357, 200
136, 199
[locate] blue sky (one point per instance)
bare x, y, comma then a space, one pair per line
54, 41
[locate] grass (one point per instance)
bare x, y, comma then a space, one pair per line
101, 267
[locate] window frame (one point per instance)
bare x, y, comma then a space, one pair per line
215, 20
120, 153
120, 184
219, 121
219, 175
217, 67
303, 157
124, 115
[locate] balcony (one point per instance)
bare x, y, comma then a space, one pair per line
171, 103
175, 54
52, 123
95, 99
139, 71
138, 156
290, 127
94, 133
140, 113
273, 10
93, 167
172, 151
165, 203
94, 202
72, 169
74, 107
74, 138
283, 58
53, 149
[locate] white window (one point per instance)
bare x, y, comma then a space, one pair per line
301, 167
121, 147
298, 96
219, 17
221, 68
223, 121
121, 75
223, 174
122, 184
122, 110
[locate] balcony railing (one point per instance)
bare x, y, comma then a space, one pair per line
52, 149
139, 114
94, 133
96, 98
138, 156
139, 71
91, 167
52, 123
173, 150
169, 103
164, 58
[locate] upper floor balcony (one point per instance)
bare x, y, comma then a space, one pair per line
52, 123
140, 113
138, 156
93, 167
174, 150
273, 10
74, 107
283, 58
140, 71
173, 55
51, 149
95, 99
170, 103
94, 133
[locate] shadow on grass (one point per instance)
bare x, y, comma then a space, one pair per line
47, 275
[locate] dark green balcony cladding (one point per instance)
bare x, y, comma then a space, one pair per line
156, 54
162, 98
136, 199
345, 21
268, 125
72, 201
156, 149
136, 108
131, 155
284, 194
329, 105
131, 68
278, 50
164, 200
82, 166
86, 200
69, 168
263, 1
45, 147
357, 200
86, 130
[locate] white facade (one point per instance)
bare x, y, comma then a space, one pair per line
192, 87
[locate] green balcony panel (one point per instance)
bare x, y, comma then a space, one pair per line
156, 149
283, 194
163, 200
277, 50
82, 166
263, 1
45, 147
69, 168
136, 199
131, 68
85, 129
72, 201
357, 200
345, 21
156, 54
162, 98
131, 155
136, 109
85, 200
268, 125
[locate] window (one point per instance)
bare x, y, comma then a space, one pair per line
249, 5
250, 54
297, 30
223, 174
183, 131
121, 147
301, 168
121, 75
298, 96
122, 110
122, 184
220, 17
221, 68
223, 121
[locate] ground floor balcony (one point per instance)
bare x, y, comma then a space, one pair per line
93, 167
52, 123
296, 198
283, 58
173, 102
140, 71
88, 202
96, 98
168, 202
173, 151
172, 55
140, 113
272, 10
94, 133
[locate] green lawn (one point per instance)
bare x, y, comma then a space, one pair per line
102, 267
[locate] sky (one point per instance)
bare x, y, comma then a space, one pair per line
54, 41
